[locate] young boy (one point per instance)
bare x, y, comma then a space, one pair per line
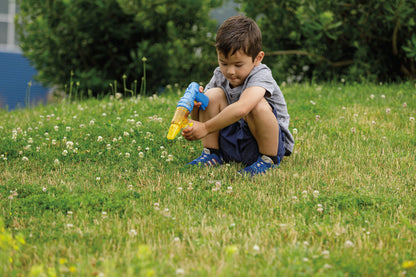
246, 119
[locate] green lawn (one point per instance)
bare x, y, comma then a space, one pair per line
94, 188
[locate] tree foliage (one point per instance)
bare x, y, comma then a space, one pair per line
325, 39
102, 41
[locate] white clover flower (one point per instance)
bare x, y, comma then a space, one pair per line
141, 154
103, 114
126, 134
349, 244
44, 189
68, 129
127, 155
99, 138
318, 117
46, 134
315, 193
56, 162
56, 128
30, 140
138, 124
295, 131
54, 142
69, 225
320, 210
256, 248
176, 239
25, 159
118, 95
170, 158
98, 179
132, 233
180, 271
108, 146
412, 118
82, 126
404, 105
92, 122
69, 145
388, 110
64, 153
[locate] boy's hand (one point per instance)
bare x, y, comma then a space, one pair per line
197, 130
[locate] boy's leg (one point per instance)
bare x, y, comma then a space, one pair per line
210, 155
217, 102
264, 126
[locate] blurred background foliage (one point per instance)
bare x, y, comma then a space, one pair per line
103, 40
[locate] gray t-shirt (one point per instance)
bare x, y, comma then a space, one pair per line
260, 76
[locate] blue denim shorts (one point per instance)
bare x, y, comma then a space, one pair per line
239, 145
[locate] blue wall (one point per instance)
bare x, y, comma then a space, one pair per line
15, 74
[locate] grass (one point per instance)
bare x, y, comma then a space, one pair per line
94, 188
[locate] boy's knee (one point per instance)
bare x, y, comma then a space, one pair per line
261, 109
216, 97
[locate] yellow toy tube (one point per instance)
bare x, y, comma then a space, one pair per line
179, 121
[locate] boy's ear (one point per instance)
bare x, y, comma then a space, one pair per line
259, 58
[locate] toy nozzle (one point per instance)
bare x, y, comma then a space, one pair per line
173, 130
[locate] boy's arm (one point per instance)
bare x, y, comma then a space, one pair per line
232, 113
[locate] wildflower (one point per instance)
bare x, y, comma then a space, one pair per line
127, 155
229, 189
295, 131
64, 153
349, 244
388, 110
56, 162
141, 154
372, 96
404, 105
412, 118
99, 138
306, 243
44, 189
68, 129
103, 114
180, 271
126, 134
256, 248
56, 128
69, 145
409, 264
180, 189
138, 124
315, 193
132, 233
25, 159
69, 212
156, 206
325, 253
118, 95
318, 117
92, 122
313, 103
383, 96
170, 158
319, 209
69, 225
373, 122
353, 130
98, 179
30, 140
176, 239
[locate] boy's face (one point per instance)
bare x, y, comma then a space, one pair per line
238, 66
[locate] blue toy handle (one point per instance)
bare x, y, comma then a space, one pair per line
192, 94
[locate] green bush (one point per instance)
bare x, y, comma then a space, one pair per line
373, 40
102, 41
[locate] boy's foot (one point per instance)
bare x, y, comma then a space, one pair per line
206, 159
262, 164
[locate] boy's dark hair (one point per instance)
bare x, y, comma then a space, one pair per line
239, 32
